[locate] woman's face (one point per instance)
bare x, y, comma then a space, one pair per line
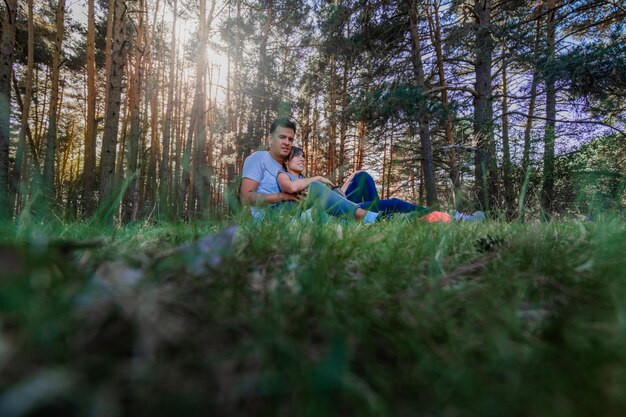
296, 164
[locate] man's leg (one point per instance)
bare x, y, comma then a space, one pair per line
393, 205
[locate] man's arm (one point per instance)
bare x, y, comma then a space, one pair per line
250, 196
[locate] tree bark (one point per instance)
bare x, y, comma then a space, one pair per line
525, 174
51, 135
135, 93
424, 130
331, 116
547, 188
89, 168
435, 25
165, 171
112, 115
7, 56
486, 174
507, 171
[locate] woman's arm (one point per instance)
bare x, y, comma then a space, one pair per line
288, 186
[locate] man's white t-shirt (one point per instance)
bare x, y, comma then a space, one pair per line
262, 168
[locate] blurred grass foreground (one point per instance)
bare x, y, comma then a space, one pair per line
297, 319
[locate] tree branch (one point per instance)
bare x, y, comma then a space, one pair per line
581, 122
452, 88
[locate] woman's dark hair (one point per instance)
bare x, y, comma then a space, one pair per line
283, 121
295, 151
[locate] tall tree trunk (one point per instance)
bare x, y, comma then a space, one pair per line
25, 128
486, 175
507, 170
435, 26
547, 188
198, 192
152, 95
165, 171
256, 128
525, 173
383, 190
331, 116
70, 137
531, 106
51, 136
89, 168
177, 195
361, 136
7, 56
112, 116
343, 125
135, 93
424, 129
40, 115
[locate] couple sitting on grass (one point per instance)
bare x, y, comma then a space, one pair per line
273, 179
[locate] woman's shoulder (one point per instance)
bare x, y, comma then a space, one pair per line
291, 176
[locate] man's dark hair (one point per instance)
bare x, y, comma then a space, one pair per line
295, 151
283, 121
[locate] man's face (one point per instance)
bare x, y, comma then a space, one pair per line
282, 141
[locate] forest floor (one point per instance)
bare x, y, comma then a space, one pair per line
393, 319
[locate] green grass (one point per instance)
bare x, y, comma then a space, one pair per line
394, 319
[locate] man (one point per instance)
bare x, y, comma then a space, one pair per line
259, 186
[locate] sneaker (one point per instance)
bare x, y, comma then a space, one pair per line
437, 217
307, 216
477, 216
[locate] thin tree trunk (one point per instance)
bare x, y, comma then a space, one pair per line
525, 174
383, 191
51, 136
547, 188
437, 43
390, 166
486, 176
66, 155
112, 116
507, 170
361, 135
89, 168
197, 202
424, 130
136, 85
40, 116
152, 94
343, 126
531, 107
331, 116
165, 171
7, 56
256, 128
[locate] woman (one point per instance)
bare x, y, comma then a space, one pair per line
360, 192
316, 191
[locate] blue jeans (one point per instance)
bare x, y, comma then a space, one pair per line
362, 191
322, 200
329, 201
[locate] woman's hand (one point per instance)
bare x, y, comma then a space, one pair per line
324, 180
290, 197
